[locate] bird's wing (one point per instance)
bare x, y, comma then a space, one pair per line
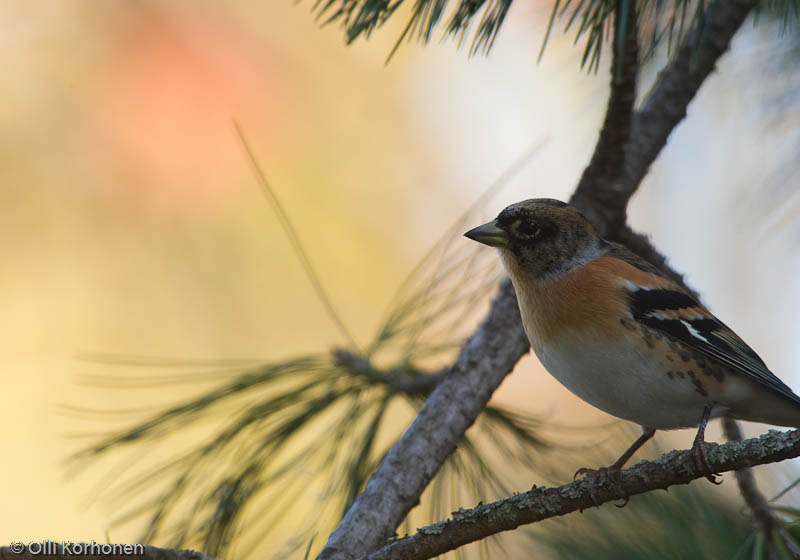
667, 308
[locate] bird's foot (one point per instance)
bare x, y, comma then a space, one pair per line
700, 456
612, 473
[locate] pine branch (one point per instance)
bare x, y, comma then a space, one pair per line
360, 18
675, 88
610, 181
596, 192
500, 340
672, 468
398, 380
452, 407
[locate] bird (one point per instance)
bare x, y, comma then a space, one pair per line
620, 334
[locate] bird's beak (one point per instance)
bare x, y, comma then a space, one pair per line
489, 234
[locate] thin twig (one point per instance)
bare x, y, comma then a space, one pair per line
400, 380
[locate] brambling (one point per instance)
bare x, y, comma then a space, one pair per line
625, 338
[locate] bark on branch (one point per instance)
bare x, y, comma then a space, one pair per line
674, 467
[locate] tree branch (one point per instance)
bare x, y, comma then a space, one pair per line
500, 341
674, 467
762, 512
675, 88
747, 484
614, 174
595, 194
400, 380
490, 354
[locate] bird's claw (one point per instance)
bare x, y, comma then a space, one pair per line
611, 473
584, 470
700, 456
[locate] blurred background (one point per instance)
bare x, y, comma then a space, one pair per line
132, 224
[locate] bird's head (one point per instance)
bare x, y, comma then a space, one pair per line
540, 238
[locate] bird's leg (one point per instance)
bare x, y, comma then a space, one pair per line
612, 471
698, 449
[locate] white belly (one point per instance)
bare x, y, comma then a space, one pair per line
624, 383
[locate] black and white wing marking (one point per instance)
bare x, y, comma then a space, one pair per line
682, 318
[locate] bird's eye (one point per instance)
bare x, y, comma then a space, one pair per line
525, 229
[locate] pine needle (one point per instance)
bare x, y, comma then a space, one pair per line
294, 240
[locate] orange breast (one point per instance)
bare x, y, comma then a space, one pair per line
591, 298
